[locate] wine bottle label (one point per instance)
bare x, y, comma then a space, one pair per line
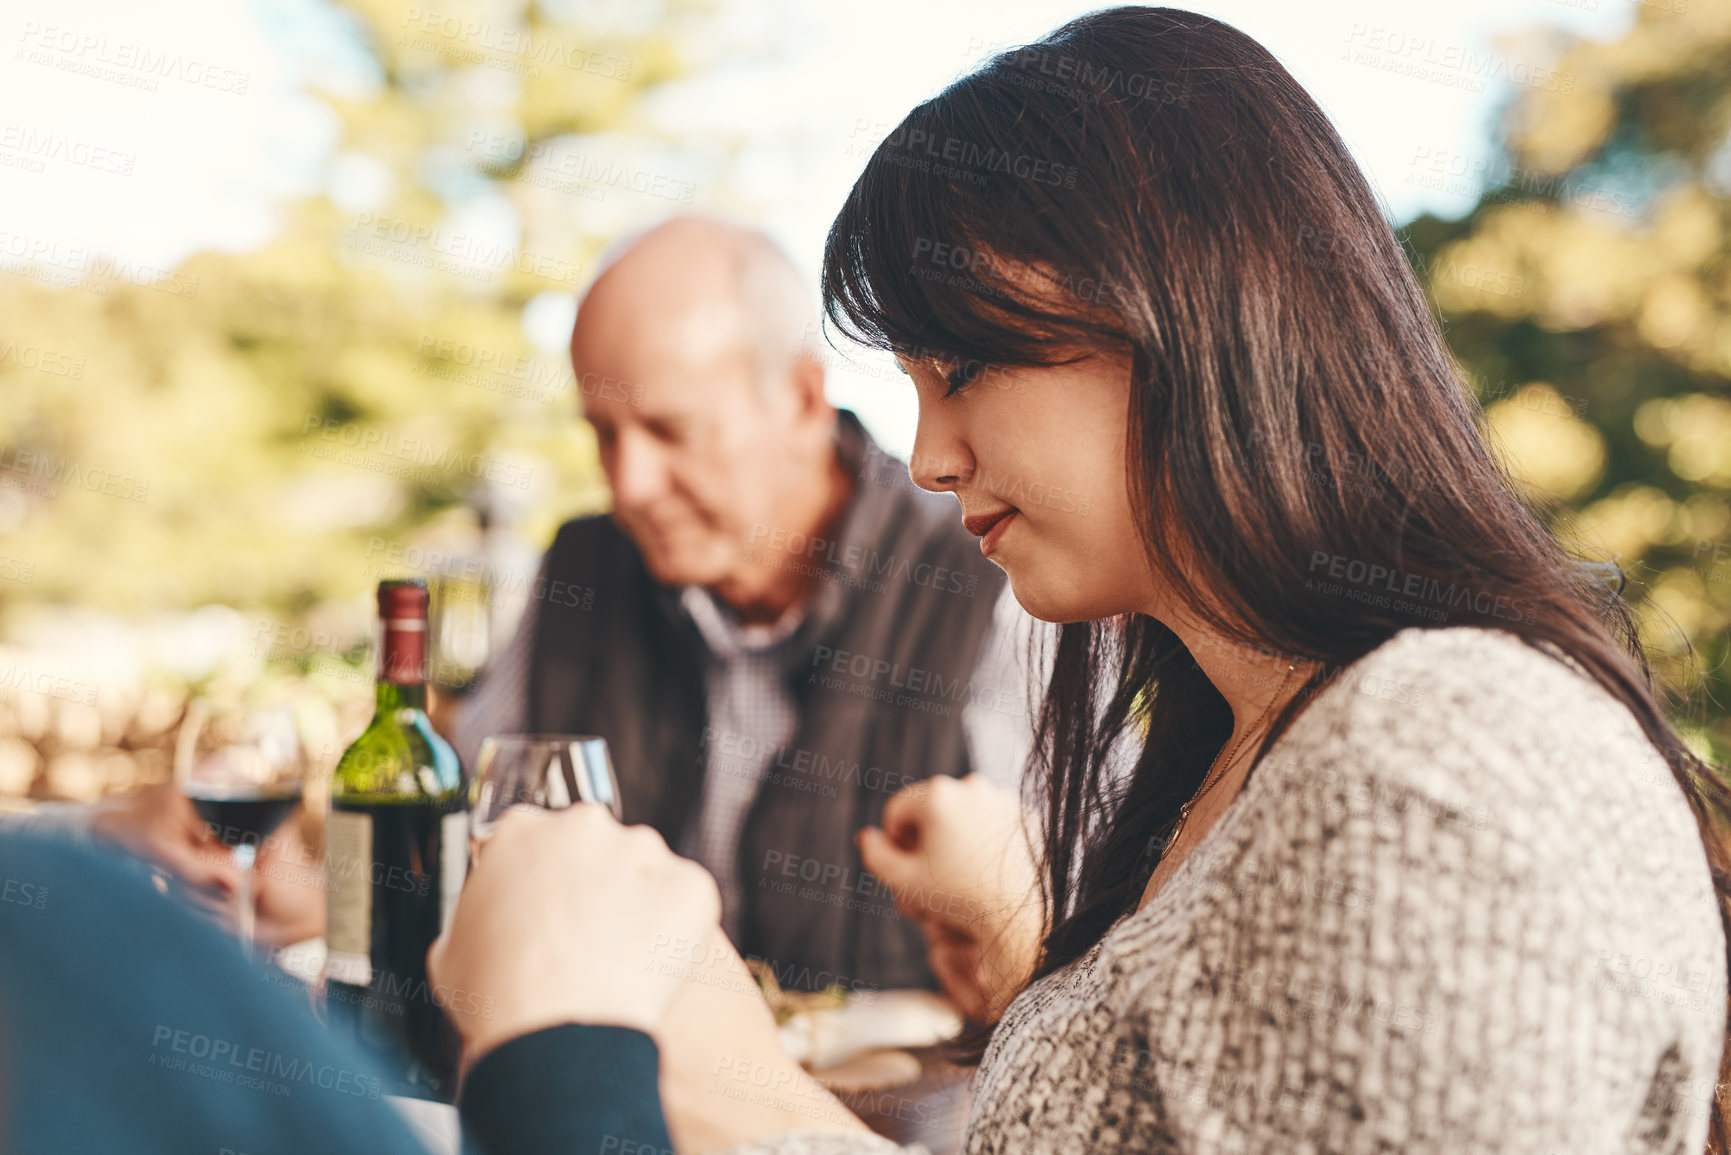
349, 897
453, 863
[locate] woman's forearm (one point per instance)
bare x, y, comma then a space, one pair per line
726, 1079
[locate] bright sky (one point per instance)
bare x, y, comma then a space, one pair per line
148, 131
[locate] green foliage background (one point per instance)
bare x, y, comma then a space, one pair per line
1587, 296
215, 390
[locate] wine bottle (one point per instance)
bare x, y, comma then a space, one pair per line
396, 849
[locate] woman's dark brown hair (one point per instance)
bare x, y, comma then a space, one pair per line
1153, 182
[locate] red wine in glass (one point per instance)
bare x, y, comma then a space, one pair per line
243, 814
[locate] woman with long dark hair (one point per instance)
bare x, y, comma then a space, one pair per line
1411, 859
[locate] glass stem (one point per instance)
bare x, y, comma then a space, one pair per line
244, 856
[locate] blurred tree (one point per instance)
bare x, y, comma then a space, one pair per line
276, 429
1587, 296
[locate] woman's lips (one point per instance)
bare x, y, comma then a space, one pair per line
978, 523
989, 527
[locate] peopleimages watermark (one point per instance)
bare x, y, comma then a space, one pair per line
122, 61
619, 1145
694, 961
42, 474
1312, 997
27, 148
1013, 489
961, 159
470, 364
895, 684
561, 168
1533, 396
396, 557
1312, 463
1369, 798
20, 893
257, 1068
1716, 552
1386, 587
810, 771
495, 370
1087, 81
469, 255
76, 267
22, 678
410, 450
393, 994
959, 265
1498, 179
434, 671
1323, 248
1277, 882
832, 883
859, 560
1453, 65
773, 1085
1472, 275
1345, 468
508, 47
1672, 982
1138, 1066
42, 359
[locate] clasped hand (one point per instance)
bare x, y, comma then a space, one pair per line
956, 855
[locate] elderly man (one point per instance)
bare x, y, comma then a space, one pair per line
775, 629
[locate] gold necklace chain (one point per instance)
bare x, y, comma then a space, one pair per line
1217, 769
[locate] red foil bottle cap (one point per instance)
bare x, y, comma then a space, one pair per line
403, 628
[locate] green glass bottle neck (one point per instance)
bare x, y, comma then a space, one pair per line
391, 697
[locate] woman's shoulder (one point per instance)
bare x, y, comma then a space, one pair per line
1496, 736
1468, 669
1466, 706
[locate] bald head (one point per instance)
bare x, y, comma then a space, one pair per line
692, 363
717, 289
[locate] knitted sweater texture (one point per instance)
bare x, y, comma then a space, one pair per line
1461, 906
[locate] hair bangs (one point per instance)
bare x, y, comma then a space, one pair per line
908, 266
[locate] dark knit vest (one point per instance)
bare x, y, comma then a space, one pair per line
880, 670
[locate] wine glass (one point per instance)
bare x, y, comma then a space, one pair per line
242, 770
551, 771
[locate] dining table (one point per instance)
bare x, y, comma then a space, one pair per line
928, 1107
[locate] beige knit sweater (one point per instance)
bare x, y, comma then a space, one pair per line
1462, 906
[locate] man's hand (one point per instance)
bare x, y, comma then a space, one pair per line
160, 824
288, 886
956, 857
562, 919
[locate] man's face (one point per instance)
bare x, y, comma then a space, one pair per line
696, 458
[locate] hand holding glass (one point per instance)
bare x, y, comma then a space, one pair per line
242, 770
549, 771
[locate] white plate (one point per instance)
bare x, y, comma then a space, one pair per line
869, 1021
434, 1124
